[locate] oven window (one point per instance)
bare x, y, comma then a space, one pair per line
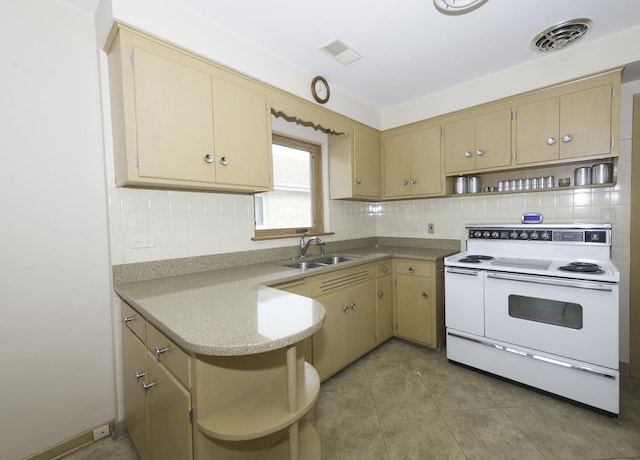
564, 314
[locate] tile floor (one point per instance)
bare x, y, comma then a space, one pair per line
406, 402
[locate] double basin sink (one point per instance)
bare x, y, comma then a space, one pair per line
319, 262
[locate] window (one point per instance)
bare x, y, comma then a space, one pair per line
296, 201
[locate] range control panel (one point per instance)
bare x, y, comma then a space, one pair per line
564, 235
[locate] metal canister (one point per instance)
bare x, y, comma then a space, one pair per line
582, 176
474, 184
601, 173
542, 182
534, 183
460, 185
551, 182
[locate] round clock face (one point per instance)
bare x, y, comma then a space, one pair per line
320, 90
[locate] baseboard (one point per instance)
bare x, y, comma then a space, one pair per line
65, 447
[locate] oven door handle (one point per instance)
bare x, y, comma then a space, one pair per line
552, 281
461, 271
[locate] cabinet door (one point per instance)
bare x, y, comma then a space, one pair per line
459, 146
425, 161
242, 135
174, 119
585, 122
362, 319
415, 308
397, 166
537, 131
170, 429
367, 164
135, 409
493, 139
330, 343
384, 308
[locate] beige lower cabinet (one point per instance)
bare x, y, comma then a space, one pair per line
184, 406
419, 302
157, 406
349, 330
384, 302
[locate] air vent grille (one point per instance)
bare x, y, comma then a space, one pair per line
561, 35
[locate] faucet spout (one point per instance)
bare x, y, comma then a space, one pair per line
304, 246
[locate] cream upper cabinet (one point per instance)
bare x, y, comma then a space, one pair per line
412, 163
180, 122
354, 165
479, 142
573, 125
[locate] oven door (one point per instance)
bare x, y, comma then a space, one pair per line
464, 299
565, 317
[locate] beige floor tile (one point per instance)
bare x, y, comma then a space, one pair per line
629, 388
489, 433
351, 438
345, 397
458, 391
559, 435
390, 359
419, 436
400, 393
107, 449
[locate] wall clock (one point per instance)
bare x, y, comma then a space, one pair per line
320, 90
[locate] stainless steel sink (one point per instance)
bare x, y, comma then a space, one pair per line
330, 260
319, 262
308, 264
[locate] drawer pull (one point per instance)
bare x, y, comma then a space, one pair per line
146, 386
158, 351
127, 319
139, 375
385, 270
425, 294
380, 294
411, 269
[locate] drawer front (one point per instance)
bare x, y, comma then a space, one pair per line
383, 269
134, 321
414, 267
168, 353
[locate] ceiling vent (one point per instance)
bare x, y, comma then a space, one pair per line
561, 35
341, 52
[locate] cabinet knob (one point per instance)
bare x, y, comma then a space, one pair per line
159, 350
405, 182
413, 181
551, 141
208, 158
127, 319
139, 375
567, 138
425, 294
380, 294
480, 152
385, 269
345, 309
224, 161
358, 180
468, 154
146, 386
353, 306
411, 269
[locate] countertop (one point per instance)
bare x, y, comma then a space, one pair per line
234, 311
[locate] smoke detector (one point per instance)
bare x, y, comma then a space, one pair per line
561, 35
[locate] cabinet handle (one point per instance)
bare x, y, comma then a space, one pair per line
158, 351
385, 270
468, 154
146, 386
413, 181
224, 161
353, 306
380, 294
358, 180
411, 269
551, 141
208, 158
480, 152
567, 138
405, 182
127, 319
139, 375
346, 309
425, 294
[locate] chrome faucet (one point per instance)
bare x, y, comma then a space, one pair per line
304, 245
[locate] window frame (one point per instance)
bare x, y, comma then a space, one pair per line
316, 190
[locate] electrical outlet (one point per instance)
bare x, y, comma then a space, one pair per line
142, 241
101, 432
431, 228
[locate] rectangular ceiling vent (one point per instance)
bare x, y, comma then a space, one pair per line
341, 52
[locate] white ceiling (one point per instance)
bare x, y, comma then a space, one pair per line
410, 49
